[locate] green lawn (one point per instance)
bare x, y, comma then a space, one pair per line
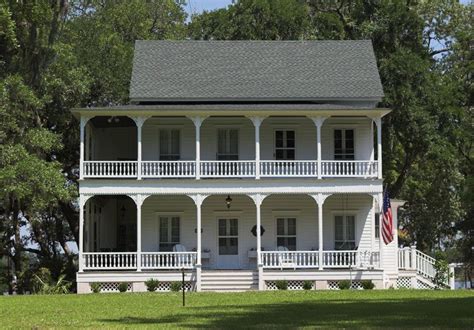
404, 308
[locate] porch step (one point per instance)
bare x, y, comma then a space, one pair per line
224, 281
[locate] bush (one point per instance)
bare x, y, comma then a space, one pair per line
176, 286
95, 287
367, 284
43, 283
282, 285
442, 274
152, 285
307, 285
344, 285
123, 286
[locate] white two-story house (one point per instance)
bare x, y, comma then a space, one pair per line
240, 163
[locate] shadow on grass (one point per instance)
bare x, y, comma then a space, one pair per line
445, 312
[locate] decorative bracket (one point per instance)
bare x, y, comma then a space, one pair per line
258, 198
138, 199
83, 200
320, 198
139, 121
198, 198
197, 120
318, 121
257, 121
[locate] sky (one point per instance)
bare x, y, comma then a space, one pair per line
198, 6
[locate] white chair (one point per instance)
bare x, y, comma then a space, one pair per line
285, 259
179, 248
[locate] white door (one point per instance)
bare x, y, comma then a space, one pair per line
228, 244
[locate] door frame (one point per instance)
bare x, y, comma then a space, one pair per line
237, 256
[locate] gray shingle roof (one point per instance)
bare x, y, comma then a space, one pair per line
254, 70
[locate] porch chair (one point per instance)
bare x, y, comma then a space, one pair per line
179, 248
180, 259
285, 259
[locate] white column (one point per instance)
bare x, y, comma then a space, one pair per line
372, 140
258, 199
197, 124
318, 121
80, 244
83, 123
139, 121
139, 201
257, 121
378, 122
198, 201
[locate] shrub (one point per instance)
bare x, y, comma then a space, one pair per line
43, 283
95, 287
442, 274
152, 284
344, 285
282, 284
123, 286
175, 286
367, 284
307, 285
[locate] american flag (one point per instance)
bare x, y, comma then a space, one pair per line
387, 226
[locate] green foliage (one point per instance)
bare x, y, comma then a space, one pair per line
44, 284
307, 285
151, 284
123, 286
176, 286
95, 287
367, 284
344, 285
442, 274
281, 284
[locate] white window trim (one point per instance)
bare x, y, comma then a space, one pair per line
239, 136
287, 128
169, 215
343, 215
170, 127
239, 245
286, 216
344, 128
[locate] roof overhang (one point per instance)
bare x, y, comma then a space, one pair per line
230, 110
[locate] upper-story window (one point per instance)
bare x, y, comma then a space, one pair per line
285, 145
343, 144
169, 144
227, 144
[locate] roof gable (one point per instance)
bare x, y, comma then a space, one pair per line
254, 70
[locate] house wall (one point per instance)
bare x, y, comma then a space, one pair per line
114, 143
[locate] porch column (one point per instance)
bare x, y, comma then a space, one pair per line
198, 199
258, 199
257, 121
381, 242
197, 124
139, 199
139, 121
378, 122
318, 121
320, 198
83, 123
80, 244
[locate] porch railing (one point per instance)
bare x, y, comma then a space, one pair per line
349, 168
110, 169
231, 169
168, 260
289, 168
169, 169
409, 258
310, 259
227, 168
109, 260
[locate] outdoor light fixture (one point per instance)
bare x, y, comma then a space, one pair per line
228, 200
114, 119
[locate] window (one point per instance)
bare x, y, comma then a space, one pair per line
228, 237
344, 144
284, 145
377, 225
286, 233
344, 232
169, 144
227, 144
169, 232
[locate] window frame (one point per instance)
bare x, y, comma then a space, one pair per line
169, 156
227, 156
227, 234
344, 155
170, 242
275, 148
345, 240
286, 234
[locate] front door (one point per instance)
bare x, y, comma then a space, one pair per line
228, 244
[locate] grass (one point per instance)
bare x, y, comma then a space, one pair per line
281, 309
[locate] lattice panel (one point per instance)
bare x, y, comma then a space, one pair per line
166, 286
292, 285
270, 285
113, 287
404, 282
422, 285
334, 285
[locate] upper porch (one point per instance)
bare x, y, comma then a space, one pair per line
231, 144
